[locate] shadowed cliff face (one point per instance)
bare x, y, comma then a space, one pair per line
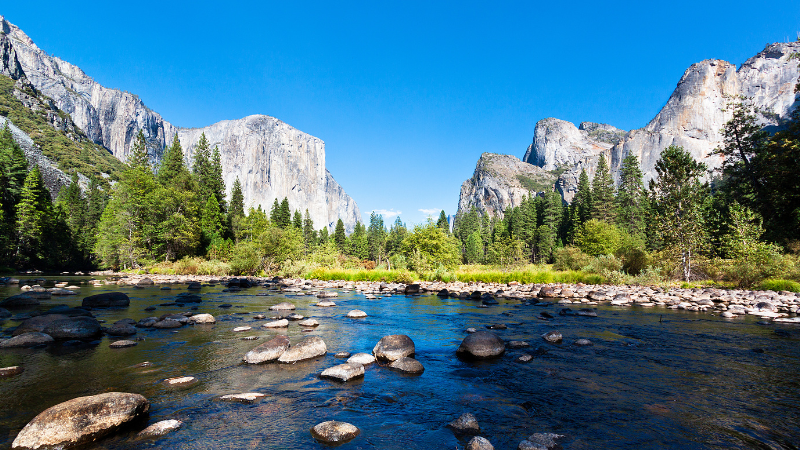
271, 158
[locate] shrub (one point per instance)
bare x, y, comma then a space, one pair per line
779, 285
245, 258
598, 238
398, 262
603, 264
570, 258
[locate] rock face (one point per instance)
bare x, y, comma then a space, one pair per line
500, 181
81, 420
692, 118
270, 158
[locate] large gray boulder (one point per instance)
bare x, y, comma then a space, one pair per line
37, 323
308, 348
107, 300
80, 421
26, 340
344, 372
480, 345
268, 351
73, 328
407, 365
24, 300
394, 347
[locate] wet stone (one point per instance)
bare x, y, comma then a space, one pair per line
11, 371
122, 344
361, 358
159, 429
465, 424
247, 397
334, 432
393, 347
180, 382
554, 337
479, 443
344, 372
407, 365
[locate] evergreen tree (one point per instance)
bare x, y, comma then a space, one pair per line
201, 168
466, 224
396, 236
357, 245
339, 236
275, 212
284, 214
73, 208
323, 236
297, 220
237, 199
138, 156
309, 235
13, 171
211, 220
677, 197
217, 184
178, 230
630, 201
603, 192
473, 251
442, 222
172, 171
582, 202
376, 238
96, 202
34, 212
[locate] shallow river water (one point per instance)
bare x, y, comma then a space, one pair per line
654, 378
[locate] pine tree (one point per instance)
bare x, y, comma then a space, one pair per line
339, 236
34, 212
216, 183
323, 236
630, 200
397, 233
442, 222
582, 202
357, 245
74, 209
284, 214
309, 235
275, 213
237, 199
211, 220
201, 168
376, 238
297, 220
13, 171
138, 156
603, 192
473, 250
677, 196
172, 171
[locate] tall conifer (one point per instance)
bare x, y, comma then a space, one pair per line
603, 192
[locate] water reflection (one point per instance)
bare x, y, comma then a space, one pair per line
653, 378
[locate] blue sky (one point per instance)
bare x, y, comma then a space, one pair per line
405, 95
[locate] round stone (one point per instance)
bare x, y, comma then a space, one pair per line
481, 344
334, 432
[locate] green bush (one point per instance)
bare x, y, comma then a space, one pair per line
570, 258
246, 259
603, 264
779, 285
598, 238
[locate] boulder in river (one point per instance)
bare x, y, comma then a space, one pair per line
167, 324
334, 432
308, 323
343, 372
81, 420
407, 365
553, 337
247, 397
308, 348
37, 323
268, 351
479, 443
23, 300
540, 441
159, 429
6, 372
122, 344
465, 424
121, 329
282, 306
361, 358
26, 340
356, 314
282, 323
107, 300
202, 319
325, 304
180, 382
73, 328
481, 344
393, 347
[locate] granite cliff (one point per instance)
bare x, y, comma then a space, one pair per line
272, 159
692, 118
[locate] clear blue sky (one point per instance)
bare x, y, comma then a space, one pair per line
406, 95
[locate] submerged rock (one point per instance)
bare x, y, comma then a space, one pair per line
37, 323
334, 432
394, 347
268, 351
283, 306
481, 344
466, 424
26, 340
553, 337
122, 344
247, 397
181, 381
540, 441
81, 420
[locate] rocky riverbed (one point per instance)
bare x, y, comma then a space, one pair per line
390, 365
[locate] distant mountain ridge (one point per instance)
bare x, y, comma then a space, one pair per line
271, 159
692, 118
